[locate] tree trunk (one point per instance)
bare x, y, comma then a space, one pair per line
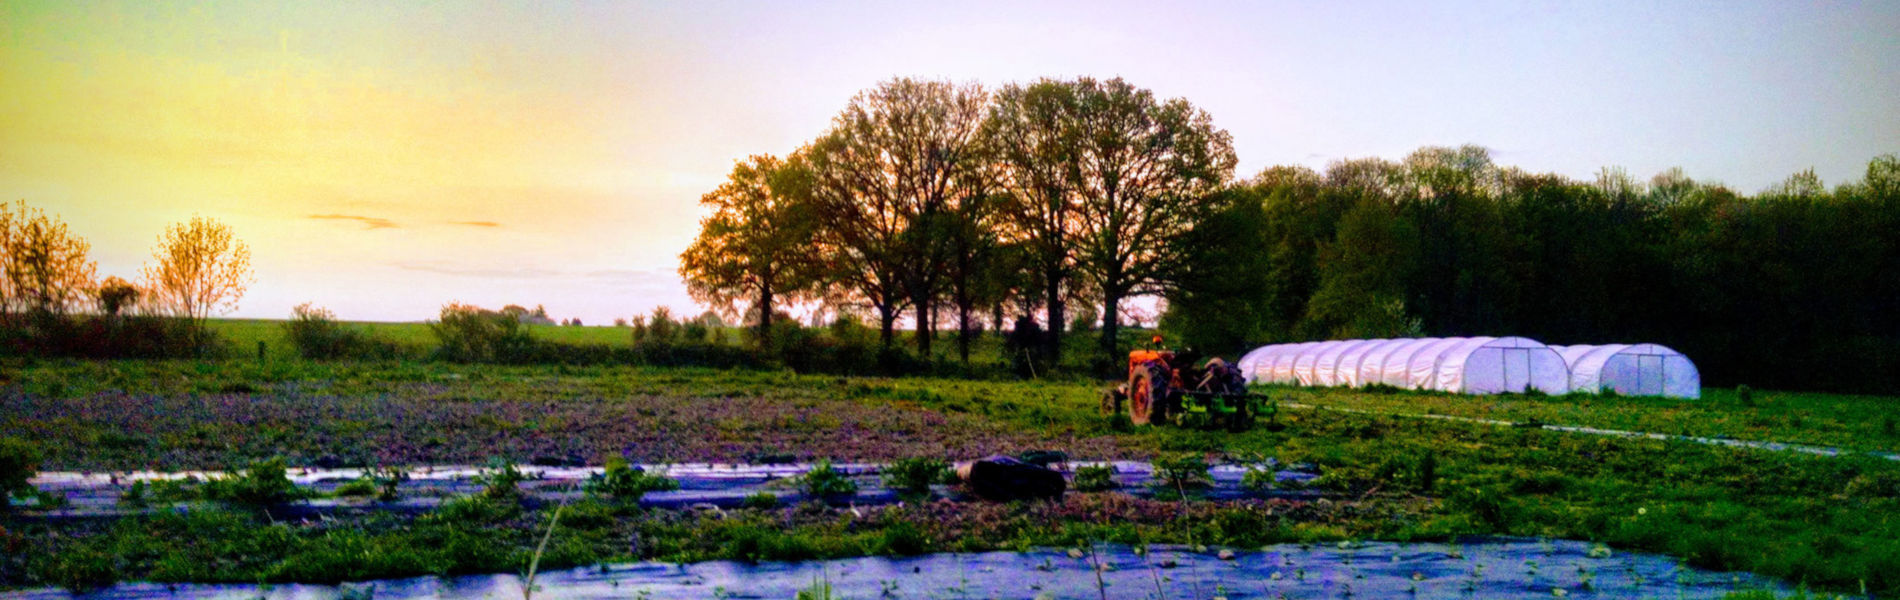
765, 315
887, 321
1111, 321
996, 320
1053, 351
923, 325
963, 327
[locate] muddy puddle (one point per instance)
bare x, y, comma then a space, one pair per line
1476, 568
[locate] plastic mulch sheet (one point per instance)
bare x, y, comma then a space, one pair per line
1478, 568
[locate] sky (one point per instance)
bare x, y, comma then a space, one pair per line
384, 158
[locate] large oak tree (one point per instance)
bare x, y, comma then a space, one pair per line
899, 159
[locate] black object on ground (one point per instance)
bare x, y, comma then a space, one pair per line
1001, 479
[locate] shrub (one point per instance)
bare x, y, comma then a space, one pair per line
471, 334
660, 327
19, 462
1094, 479
823, 481
915, 475
1182, 471
316, 334
625, 483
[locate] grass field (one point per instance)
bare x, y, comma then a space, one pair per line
1828, 522
244, 335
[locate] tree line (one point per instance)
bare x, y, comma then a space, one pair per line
53, 303
930, 200
951, 201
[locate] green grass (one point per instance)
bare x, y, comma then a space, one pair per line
1864, 423
244, 335
1827, 522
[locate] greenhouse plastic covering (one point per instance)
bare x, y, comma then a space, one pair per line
1631, 370
1474, 365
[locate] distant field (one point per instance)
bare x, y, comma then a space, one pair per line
246, 333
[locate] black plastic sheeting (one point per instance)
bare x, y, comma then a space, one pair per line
1479, 568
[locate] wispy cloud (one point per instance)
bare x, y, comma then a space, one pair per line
476, 223
446, 268
368, 222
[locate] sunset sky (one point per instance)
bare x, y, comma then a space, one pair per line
382, 158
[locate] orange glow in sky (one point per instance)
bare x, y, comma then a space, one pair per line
383, 158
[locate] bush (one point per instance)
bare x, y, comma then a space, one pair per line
823, 482
471, 334
915, 475
317, 335
46, 335
19, 462
625, 483
1094, 479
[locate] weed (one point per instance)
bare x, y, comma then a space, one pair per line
1258, 479
135, 495
263, 485
356, 488
1182, 471
760, 501
500, 480
626, 484
915, 475
19, 462
1095, 479
825, 482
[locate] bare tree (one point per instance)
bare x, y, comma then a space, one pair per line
201, 269
46, 266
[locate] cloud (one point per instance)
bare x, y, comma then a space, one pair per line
476, 223
368, 222
445, 268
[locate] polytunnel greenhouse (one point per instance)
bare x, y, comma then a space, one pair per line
1631, 370
1474, 365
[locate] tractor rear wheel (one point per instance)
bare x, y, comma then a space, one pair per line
1141, 396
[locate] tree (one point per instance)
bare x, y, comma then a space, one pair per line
201, 269
1029, 135
898, 158
1144, 172
47, 271
1220, 302
756, 243
115, 294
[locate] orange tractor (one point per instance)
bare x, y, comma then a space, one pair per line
1211, 396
